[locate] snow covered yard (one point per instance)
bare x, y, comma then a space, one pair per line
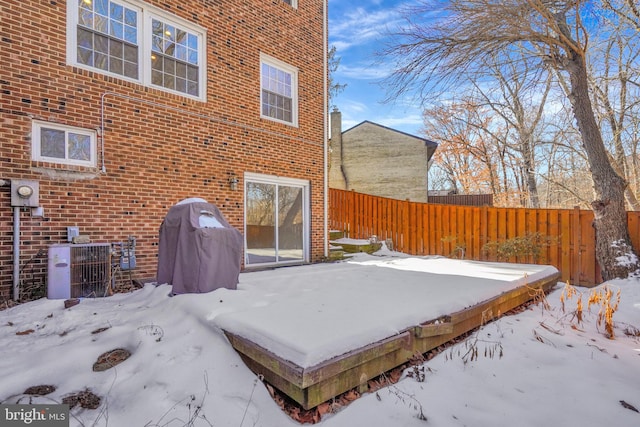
553, 371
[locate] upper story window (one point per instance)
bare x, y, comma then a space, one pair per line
174, 58
293, 3
139, 42
51, 142
279, 90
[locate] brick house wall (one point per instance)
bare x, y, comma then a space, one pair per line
159, 147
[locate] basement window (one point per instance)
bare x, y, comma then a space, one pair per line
138, 42
55, 143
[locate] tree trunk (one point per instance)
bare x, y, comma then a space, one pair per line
613, 245
529, 169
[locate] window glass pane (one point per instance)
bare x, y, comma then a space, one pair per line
82, 4
85, 39
130, 53
169, 48
193, 57
169, 66
181, 53
181, 84
101, 24
193, 42
157, 44
116, 12
101, 6
131, 18
181, 70
101, 61
169, 81
261, 205
290, 223
156, 62
85, 18
156, 77
156, 28
193, 88
131, 34
181, 37
117, 30
102, 44
79, 147
116, 49
131, 70
192, 73
169, 33
52, 143
116, 65
85, 56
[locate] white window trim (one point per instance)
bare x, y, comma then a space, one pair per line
306, 213
294, 4
145, 14
36, 144
266, 59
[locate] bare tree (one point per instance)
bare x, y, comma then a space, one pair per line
617, 100
460, 36
521, 107
333, 63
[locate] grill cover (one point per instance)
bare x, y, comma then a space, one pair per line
198, 250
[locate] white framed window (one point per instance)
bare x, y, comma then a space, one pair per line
55, 143
278, 90
293, 3
138, 42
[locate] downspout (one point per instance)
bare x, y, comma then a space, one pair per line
325, 41
16, 253
16, 246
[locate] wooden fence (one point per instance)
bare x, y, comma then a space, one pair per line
463, 199
430, 229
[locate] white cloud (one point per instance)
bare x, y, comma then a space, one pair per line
405, 121
363, 72
359, 26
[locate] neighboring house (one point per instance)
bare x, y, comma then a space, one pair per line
115, 110
374, 159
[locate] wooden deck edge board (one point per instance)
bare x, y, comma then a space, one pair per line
338, 364
312, 386
268, 360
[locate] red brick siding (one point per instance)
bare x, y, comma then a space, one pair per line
159, 147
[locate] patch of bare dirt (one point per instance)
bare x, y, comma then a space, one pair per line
40, 390
86, 399
110, 359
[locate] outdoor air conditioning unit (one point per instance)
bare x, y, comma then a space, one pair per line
79, 270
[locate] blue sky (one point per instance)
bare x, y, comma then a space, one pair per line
357, 29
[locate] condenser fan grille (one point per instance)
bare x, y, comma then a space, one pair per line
90, 271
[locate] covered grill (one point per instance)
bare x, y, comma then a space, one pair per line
198, 251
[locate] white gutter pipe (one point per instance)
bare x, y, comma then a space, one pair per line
326, 129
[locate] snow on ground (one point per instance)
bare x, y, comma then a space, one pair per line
550, 373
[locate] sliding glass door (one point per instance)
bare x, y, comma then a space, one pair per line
276, 224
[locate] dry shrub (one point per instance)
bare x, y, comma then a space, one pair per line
602, 297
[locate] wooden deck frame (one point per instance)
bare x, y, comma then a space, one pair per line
312, 386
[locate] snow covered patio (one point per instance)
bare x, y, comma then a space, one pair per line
340, 325
182, 370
